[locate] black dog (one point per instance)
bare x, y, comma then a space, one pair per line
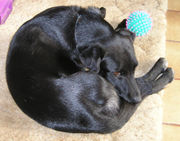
69, 70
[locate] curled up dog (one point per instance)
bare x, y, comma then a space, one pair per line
68, 69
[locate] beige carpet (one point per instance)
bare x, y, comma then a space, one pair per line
145, 125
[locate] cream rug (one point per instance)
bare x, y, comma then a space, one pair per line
146, 123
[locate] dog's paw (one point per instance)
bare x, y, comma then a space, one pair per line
159, 67
156, 79
90, 57
162, 80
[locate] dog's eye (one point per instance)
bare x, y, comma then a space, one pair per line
117, 74
121, 73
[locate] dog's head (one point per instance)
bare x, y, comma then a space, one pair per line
120, 60
98, 43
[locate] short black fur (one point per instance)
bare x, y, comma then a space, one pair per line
68, 69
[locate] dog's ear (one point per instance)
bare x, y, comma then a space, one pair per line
125, 32
91, 27
98, 11
121, 25
122, 30
83, 31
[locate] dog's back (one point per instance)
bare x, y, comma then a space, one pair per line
48, 86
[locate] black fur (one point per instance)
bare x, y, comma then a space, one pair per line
68, 69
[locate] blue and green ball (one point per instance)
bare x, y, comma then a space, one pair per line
139, 22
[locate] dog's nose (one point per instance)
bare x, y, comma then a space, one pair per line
134, 91
137, 95
136, 99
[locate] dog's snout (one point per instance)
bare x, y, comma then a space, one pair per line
135, 94
136, 99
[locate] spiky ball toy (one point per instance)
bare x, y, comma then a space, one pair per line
139, 22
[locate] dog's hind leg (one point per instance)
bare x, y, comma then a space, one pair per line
88, 103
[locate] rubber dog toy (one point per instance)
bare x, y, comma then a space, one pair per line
5, 10
139, 22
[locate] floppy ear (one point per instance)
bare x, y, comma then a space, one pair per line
91, 27
83, 31
122, 30
127, 33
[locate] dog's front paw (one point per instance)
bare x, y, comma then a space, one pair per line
156, 79
90, 57
162, 80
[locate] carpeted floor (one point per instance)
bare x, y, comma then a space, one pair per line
146, 123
